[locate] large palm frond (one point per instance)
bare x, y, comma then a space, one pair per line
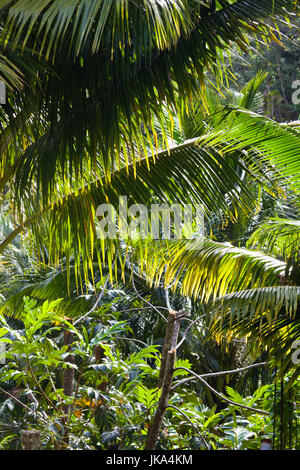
200, 171
278, 236
161, 23
205, 112
268, 316
206, 269
106, 98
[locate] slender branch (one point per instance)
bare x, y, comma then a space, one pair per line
132, 339
168, 300
17, 231
191, 422
218, 374
39, 387
186, 319
96, 303
144, 300
292, 124
11, 237
140, 308
234, 371
220, 395
187, 330
19, 403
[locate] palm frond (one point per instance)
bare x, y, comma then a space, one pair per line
278, 236
244, 127
120, 92
268, 317
200, 171
256, 303
206, 269
52, 22
162, 23
251, 98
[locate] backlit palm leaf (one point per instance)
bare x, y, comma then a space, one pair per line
101, 102
199, 171
278, 236
269, 317
207, 269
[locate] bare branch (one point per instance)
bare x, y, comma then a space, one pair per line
95, 305
220, 395
187, 330
217, 374
144, 300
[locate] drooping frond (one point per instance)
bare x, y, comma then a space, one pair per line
268, 317
257, 303
10, 75
200, 171
278, 236
276, 144
94, 23
105, 99
206, 269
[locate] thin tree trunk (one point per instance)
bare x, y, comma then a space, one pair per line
68, 379
167, 346
99, 353
165, 378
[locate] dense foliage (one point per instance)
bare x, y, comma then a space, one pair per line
137, 341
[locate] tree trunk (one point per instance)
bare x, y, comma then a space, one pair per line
68, 381
167, 346
68, 378
165, 378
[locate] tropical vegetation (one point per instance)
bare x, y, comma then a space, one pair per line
135, 342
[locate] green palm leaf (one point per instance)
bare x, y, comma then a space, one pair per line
267, 316
256, 303
206, 269
200, 171
278, 236
162, 23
